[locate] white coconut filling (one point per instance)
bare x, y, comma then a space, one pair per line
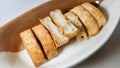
54, 29
68, 27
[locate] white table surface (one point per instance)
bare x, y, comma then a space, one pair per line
107, 57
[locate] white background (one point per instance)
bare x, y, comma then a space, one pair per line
9, 9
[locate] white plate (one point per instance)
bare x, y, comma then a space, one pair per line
72, 53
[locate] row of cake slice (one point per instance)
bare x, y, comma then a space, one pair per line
42, 41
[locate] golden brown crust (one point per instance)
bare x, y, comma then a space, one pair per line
88, 21
96, 13
46, 41
33, 48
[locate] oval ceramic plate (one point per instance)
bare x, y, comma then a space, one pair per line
72, 53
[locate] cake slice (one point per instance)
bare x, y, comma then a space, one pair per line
96, 13
82, 35
88, 21
57, 35
46, 41
33, 48
67, 27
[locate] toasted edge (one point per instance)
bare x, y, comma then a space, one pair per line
33, 48
88, 21
96, 13
46, 41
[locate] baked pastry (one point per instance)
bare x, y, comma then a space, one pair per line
96, 13
57, 35
46, 41
88, 21
59, 19
82, 35
33, 48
